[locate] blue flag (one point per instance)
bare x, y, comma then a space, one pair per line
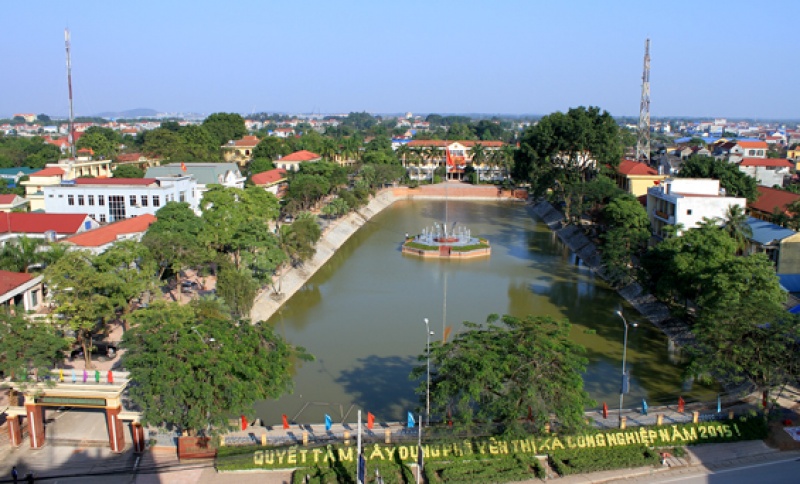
328, 422
410, 421
644, 407
719, 403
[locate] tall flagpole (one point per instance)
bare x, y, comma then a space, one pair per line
359, 471
419, 452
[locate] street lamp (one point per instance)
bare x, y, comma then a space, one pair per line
428, 333
205, 341
624, 383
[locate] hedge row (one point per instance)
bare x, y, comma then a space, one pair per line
579, 461
512, 467
345, 473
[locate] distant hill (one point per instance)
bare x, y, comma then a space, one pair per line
130, 113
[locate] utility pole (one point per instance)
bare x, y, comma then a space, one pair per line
643, 141
71, 133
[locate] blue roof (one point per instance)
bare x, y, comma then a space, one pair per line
790, 282
765, 233
795, 310
15, 171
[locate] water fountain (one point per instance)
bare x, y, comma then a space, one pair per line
443, 242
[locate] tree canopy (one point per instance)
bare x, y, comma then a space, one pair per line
507, 371
195, 367
128, 171
224, 127
28, 347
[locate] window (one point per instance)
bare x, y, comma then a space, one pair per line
183, 196
90, 199
50, 196
61, 196
101, 200
144, 200
80, 199
70, 199
34, 298
751, 152
102, 218
116, 208
689, 212
156, 202
133, 200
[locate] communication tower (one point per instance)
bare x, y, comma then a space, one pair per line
643, 141
71, 133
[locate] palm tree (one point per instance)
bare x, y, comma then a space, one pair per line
507, 159
24, 255
478, 155
403, 151
737, 227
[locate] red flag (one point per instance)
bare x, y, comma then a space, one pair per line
370, 420
764, 399
244, 422
450, 161
449, 418
110, 377
285, 423
183, 166
681, 404
605, 410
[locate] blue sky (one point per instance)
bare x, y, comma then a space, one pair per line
519, 57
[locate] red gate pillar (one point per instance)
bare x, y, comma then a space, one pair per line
14, 430
137, 431
35, 424
116, 432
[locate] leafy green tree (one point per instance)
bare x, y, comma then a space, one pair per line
224, 127
627, 237
336, 208
735, 224
103, 141
735, 183
85, 296
29, 255
128, 171
28, 346
306, 190
299, 239
270, 148
260, 165
199, 144
507, 372
134, 269
238, 289
194, 366
174, 239
163, 142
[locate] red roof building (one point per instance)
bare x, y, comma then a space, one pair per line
630, 167
99, 239
37, 224
115, 181
771, 200
291, 162
770, 162
20, 289
52, 171
268, 178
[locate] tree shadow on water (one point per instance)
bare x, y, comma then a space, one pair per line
380, 385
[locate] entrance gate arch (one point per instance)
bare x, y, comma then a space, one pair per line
103, 390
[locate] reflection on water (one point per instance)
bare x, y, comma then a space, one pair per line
362, 313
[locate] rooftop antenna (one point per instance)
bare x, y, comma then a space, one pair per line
643, 143
71, 133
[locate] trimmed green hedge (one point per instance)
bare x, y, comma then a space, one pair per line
579, 461
479, 469
345, 473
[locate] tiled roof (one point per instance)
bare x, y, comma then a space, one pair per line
12, 280
420, 143
115, 181
302, 155
128, 157
39, 223
247, 141
777, 162
7, 199
753, 144
630, 167
111, 232
770, 199
52, 171
267, 177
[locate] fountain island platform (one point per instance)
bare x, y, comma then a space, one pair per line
438, 243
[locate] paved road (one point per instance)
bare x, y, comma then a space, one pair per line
783, 470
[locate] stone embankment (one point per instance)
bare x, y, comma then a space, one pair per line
655, 312
336, 234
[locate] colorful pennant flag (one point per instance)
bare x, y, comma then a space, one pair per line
244, 422
328, 422
97, 376
450, 161
85, 376
61, 375
719, 403
411, 421
74, 377
110, 377
285, 422
447, 331
605, 410
370, 420
681, 405
183, 166
644, 407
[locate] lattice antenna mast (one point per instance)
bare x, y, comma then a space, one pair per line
643, 142
71, 133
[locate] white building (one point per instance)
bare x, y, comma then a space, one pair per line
205, 174
112, 199
768, 172
686, 202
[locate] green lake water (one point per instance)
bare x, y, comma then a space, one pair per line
361, 315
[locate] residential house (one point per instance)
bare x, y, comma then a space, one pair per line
240, 151
771, 201
747, 149
10, 202
767, 171
635, 178
282, 132
20, 290
272, 181
292, 161
685, 202
780, 244
205, 174
113, 199
100, 239
36, 182
37, 225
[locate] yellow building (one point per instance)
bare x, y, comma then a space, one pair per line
33, 186
240, 151
635, 178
